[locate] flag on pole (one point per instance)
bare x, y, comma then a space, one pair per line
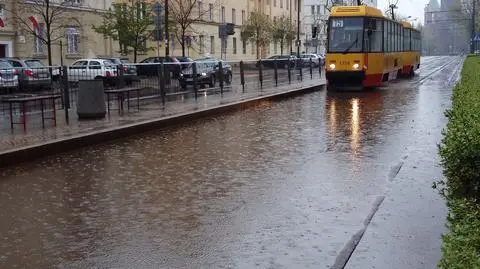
34, 21
2, 24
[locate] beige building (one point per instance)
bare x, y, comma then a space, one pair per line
74, 30
205, 40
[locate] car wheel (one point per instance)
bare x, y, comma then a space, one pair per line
228, 78
212, 81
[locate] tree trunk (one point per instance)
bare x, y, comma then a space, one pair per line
257, 43
281, 47
182, 42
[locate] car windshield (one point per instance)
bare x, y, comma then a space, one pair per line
34, 63
125, 61
345, 35
5, 65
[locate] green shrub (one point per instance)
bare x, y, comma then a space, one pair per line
460, 147
461, 244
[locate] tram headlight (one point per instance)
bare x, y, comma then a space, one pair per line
356, 66
332, 66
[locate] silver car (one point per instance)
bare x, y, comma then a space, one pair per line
306, 59
8, 77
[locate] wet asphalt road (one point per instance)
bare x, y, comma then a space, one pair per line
281, 185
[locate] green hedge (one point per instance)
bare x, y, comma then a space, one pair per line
460, 157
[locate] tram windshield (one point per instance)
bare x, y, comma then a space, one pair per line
345, 34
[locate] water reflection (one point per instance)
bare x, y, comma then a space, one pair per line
355, 126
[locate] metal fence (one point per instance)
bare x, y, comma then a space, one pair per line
159, 81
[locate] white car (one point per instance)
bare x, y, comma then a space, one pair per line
306, 59
90, 69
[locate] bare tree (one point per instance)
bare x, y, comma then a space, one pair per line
258, 29
185, 13
43, 19
283, 31
130, 24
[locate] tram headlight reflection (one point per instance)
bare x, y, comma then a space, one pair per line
356, 66
332, 66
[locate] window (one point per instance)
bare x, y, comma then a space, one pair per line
39, 45
313, 10
253, 49
318, 9
274, 19
406, 39
200, 9
281, 3
79, 65
73, 38
345, 34
373, 35
2, 10
202, 43
141, 10
385, 36
243, 17
94, 65
212, 44
222, 15
274, 3
210, 12
244, 46
234, 16
234, 41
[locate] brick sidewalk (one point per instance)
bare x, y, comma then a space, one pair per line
150, 109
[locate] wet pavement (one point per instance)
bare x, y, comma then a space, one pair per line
280, 185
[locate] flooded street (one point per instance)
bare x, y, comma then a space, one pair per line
281, 185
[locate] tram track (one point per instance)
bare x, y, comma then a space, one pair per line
436, 70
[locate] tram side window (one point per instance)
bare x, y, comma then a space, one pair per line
406, 39
401, 38
390, 36
396, 37
385, 36
373, 35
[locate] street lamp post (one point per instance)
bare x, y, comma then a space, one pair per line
167, 34
298, 27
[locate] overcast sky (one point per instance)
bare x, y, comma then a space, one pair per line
412, 8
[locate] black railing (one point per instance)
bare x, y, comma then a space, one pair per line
158, 81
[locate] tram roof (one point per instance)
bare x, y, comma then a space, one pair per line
356, 11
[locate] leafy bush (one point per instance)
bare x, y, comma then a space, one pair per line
460, 157
460, 147
461, 245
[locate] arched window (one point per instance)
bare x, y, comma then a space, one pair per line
73, 39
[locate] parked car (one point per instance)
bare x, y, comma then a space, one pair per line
8, 77
322, 59
306, 59
129, 69
149, 66
283, 61
92, 69
207, 72
185, 61
32, 73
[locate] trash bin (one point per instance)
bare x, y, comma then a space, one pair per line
91, 99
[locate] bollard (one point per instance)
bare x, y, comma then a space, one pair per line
65, 89
194, 74
275, 69
162, 81
311, 68
300, 68
289, 72
120, 78
221, 75
260, 73
320, 66
242, 75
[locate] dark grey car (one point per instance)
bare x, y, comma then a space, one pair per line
32, 74
129, 69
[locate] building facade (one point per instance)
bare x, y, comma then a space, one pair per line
441, 21
315, 14
74, 37
72, 34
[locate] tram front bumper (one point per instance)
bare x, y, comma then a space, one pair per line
345, 77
